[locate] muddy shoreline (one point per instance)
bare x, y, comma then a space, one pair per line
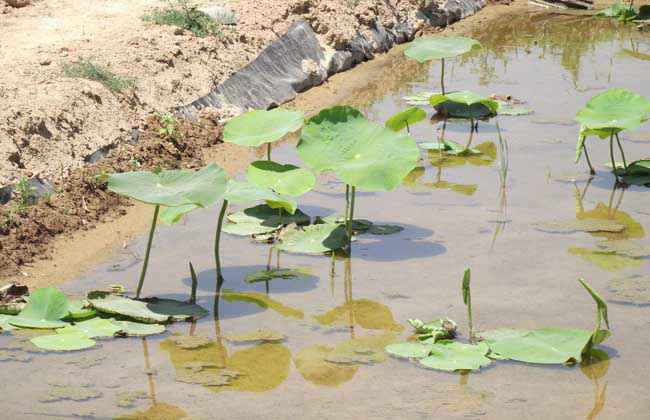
82, 223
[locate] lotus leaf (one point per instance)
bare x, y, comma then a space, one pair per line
45, 309
175, 309
136, 329
79, 310
130, 308
172, 188
440, 329
283, 179
586, 225
247, 192
268, 275
450, 355
313, 239
247, 229
255, 128
361, 153
405, 119
63, 342
544, 346
173, 215
614, 110
409, 350
465, 104
636, 173
358, 225
266, 216
93, 328
436, 48
633, 289
258, 335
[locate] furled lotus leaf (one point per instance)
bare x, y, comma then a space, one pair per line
63, 342
175, 309
614, 110
406, 118
92, 328
450, 355
361, 153
255, 128
79, 310
172, 188
313, 239
435, 48
283, 179
45, 309
248, 192
130, 308
283, 273
586, 225
409, 350
136, 329
257, 335
544, 346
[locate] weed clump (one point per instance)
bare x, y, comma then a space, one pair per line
86, 69
186, 17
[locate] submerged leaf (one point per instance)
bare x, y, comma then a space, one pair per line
435, 48
268, 275
255, 128
258, 335
450, 355
384, 229
313, 239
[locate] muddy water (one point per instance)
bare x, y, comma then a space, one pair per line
455, 215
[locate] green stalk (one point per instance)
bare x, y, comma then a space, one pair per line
584, 149
467, 299
471, 134
195, 283
611, 155
217, 240
143, 273
408, 129
620, 147
442, 75
268, 151
351, 217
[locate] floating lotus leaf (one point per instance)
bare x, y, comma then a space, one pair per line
175, 309
313, 239
406, 118
365, 313
435, 48
586, 225
130, 308
283, 179
45, 309
63, 342
191, 341
636, 173
247, 192
93, 328
464, 104
257, 335
136, 329
409, 350
544, 346
632, 249
283, 273
80, 309
263, 301
614, 110
172, 188
255, 128
247, 229
385, 229
267, 216
450, 355
633, 289
361, 153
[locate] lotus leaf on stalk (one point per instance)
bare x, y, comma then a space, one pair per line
405, 119
283, 179
465, 104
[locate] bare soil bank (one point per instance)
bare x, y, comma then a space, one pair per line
81, 201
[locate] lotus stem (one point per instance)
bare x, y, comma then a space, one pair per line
591, 168
217, 240
442, 75
143, 273
351, 217
611, 155
408, 129
268, 151
620, 147
471, 134
467, 299
195, 283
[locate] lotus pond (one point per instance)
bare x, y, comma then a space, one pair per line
320, 336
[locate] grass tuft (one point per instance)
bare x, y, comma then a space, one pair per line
86, 69
186, 17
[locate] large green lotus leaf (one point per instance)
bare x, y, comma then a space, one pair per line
465, 104
130, 308
257, 127
615, 109
283, 179
172, 188
409, 350
313, 239
136, 329
79, 310
63, 342
175, 309
451, 355
405, 118
45, 309
436, 48
544, 346
361, 153
93, 328
248, 192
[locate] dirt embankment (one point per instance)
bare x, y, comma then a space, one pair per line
51, 124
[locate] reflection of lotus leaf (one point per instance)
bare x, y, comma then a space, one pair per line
158, 411
608, 262
190, 342
595, 364
571, 226
634, 289
363, 312
632, 249
633, 229
263, 301
488, 155
257, 335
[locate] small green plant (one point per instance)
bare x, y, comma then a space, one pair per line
624, 12
467, 300
86, 69
169, 128
25, 196
187, 17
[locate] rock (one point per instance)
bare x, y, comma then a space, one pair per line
45, 62
18, 3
